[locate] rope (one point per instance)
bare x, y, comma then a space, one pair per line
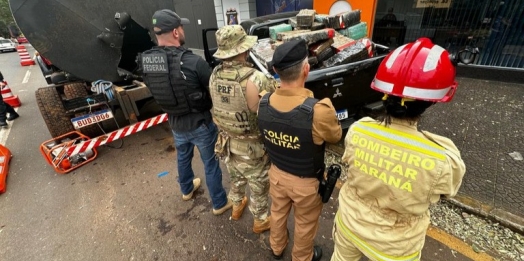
105, 87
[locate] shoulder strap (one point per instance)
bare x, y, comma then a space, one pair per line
249, 73
307, 105
265, 99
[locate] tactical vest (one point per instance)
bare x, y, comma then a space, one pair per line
162, 73
288, 138
230, 110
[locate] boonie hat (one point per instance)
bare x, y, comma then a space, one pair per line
233, 40
167, 20
289, 54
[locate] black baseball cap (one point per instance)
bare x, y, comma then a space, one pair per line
167, 20
289, 54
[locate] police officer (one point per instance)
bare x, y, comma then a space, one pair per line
178, 80
235, 87
5, 108
396, 171
295, 127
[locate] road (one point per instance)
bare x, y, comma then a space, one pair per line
118, 208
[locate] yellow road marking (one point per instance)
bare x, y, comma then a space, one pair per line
457, 244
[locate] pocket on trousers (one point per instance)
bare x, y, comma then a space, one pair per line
305, 191
222, 145
256, 150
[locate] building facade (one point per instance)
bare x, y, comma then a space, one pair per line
495, 27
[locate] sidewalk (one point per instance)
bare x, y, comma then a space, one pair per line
485, 119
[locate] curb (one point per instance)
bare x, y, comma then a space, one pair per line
507, 219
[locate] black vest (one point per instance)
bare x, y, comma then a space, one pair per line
288, 138
162, 73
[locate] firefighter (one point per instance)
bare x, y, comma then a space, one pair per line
396, 171
179, 80
6, 108
235, 88
295, 127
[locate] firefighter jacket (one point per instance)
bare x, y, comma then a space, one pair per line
288, 139
239, 133
394, 174
162, 73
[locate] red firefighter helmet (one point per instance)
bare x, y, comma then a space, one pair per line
419, 70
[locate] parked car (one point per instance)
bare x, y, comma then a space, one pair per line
7, 45
22, 39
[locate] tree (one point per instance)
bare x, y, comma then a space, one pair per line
6, 18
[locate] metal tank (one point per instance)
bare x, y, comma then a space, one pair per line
92, 40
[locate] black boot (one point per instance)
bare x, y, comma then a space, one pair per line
13, 115
3, 124
317, 253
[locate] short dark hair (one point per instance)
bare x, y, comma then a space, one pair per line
291, 73
410, 111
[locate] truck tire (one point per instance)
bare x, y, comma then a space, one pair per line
53, 111
75, 90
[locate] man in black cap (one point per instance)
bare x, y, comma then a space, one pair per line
179, 82
295, 127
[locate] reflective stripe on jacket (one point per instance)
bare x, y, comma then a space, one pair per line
394, 174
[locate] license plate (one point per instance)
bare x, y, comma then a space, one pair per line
88, 119
342, 114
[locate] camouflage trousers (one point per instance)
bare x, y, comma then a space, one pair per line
255, 173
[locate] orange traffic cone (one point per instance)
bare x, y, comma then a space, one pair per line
8, 96
25, 59
5, 157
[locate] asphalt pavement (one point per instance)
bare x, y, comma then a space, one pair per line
485, 120
118, 207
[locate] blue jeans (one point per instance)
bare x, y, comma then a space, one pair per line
204, 137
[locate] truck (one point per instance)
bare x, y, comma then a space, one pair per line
87, 51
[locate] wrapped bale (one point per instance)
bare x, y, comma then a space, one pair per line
293, 22
316, 48
275, 44
312, 60
348, 19
311, 36
325, 54
305, 18
280, 36
370, 47
274, 30
356, 32
263, 52
315, 26
341, 42
329, 21
354, 53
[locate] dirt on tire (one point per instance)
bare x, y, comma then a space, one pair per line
53, 111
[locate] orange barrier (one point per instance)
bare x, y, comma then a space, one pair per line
55, 152
8, 96
25, 59
5, 158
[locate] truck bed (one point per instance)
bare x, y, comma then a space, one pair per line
347, 85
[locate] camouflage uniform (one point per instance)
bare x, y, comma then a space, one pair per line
240, 143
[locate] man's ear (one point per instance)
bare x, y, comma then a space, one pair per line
306, 69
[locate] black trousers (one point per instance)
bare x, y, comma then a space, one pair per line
4, 109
